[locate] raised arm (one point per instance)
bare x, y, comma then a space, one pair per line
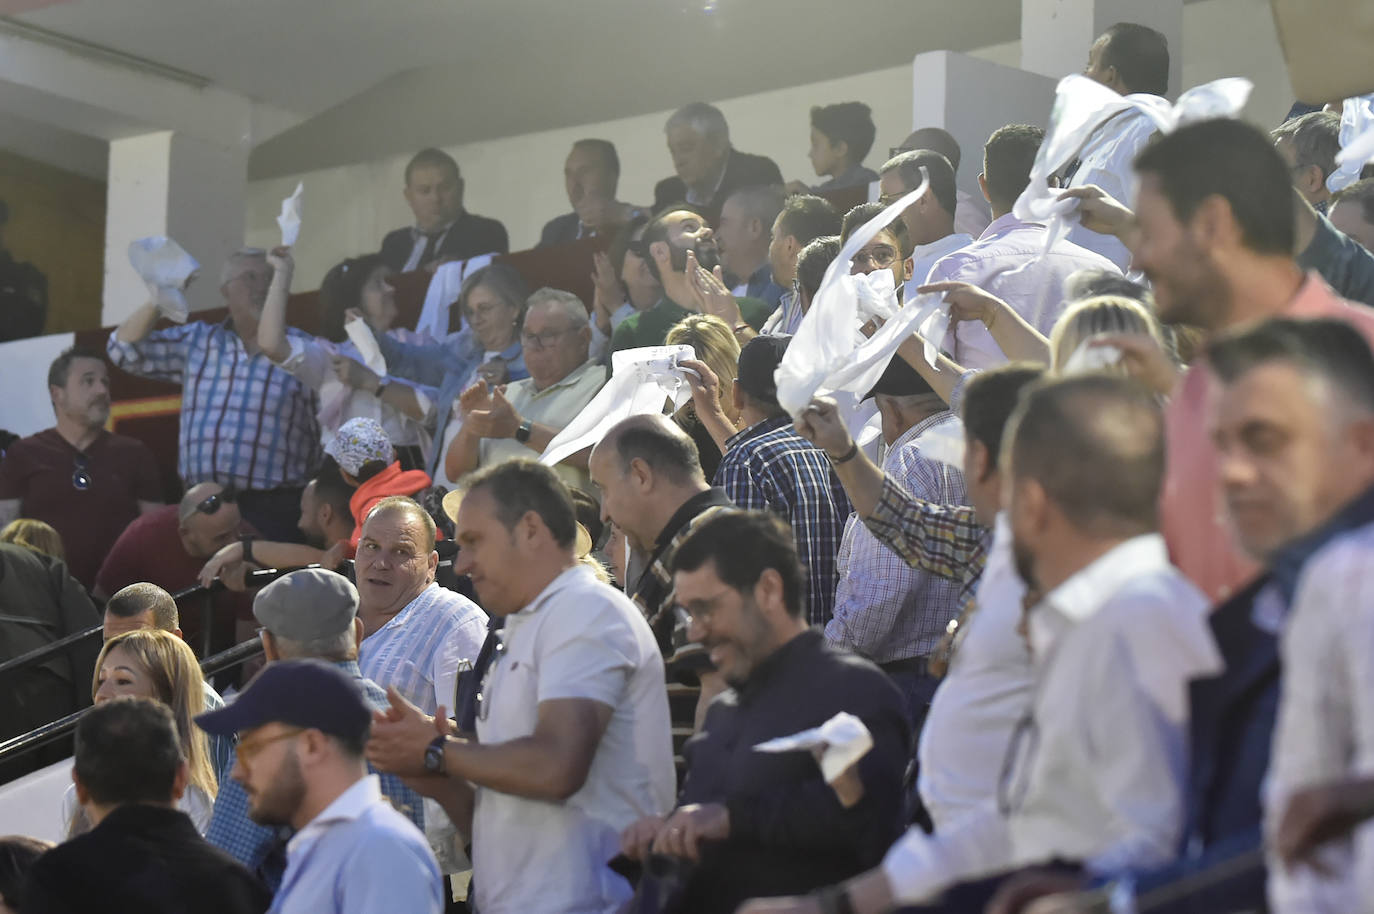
138, 325
272, 324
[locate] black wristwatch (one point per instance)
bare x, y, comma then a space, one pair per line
247, 543
434, 755
522, 434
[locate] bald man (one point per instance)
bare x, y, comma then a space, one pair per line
169, 546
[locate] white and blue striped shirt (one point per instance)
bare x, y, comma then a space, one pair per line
419, 650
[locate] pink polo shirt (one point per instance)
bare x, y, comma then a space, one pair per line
1193, 508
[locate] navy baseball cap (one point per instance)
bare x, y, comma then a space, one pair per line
302, 693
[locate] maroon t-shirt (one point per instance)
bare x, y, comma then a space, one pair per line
39, 471
150, 550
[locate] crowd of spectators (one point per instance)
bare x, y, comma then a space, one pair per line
1070, 609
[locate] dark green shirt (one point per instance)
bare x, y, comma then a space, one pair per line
650, 328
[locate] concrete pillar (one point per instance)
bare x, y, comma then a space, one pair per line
169, 183
1056, 34
971, 98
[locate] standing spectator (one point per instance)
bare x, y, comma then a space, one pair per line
244, 421
416, 634
367, 461
889, 249
521, 419
443, 230
712, 343
803, 219
930, 220
302, 727
43, 604
573, 739
744, 237
590, 174
970, 215
23, 292
885, 610
769, 466
87, 483
708, 168
311, 613
621, 285
1309, 145
143, 854
169, 546
755, 823
1352, 212
841, 137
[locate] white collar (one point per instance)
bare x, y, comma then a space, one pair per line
565, 577
1088, 589
365, 793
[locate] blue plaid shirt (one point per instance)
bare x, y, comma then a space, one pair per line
769, 466
263, 849
243, 419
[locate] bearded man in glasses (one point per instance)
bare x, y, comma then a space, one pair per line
87, 483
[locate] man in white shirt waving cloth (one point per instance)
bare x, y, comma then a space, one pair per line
1094, 774
573, 741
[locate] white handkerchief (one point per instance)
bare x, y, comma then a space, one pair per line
442, 293
1357, 142
844, 739
1088, 358
290, 218
642, 382
166, 268
361, 334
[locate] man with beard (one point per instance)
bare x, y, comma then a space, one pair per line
302, 727
89, 484
665, 246
763, 823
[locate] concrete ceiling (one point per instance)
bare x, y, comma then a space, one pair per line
369, 77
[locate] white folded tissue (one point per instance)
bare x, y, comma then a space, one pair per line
843, 740
166, 269
1357, 142
290, 218
361, 336
1087, 358
643, 381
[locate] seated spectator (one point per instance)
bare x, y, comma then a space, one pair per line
743, 237
264, 440
1308, 145
169, 547
416, 634
970, 214
887, 250
143, 607
443, 230
492, 301
769, 466
930, 220
803, 219
324, 363
17, 856
35, 535
1009, 260
86, 483
42, 604
841, 137
712, 343
572, 735
149, 663
591, 173
307, 614
302, 727
367, 461
708, 168
1096, 774
621, 285
681, 253
1352, 212
142, 852
885, 610
749, 823
522, 419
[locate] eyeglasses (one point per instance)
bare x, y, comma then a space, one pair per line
226, 496
247, 748
484, 692
880, 257
81, 473
546, 340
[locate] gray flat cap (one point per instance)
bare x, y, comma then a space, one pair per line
307, 605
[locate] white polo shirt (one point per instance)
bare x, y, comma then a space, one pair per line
578, 639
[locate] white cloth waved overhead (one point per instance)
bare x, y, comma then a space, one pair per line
1081, 106
165, 268
1357, 142
642, 381
290, 218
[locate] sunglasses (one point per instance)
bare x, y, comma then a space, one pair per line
81, 472
226, 496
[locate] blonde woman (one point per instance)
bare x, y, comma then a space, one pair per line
715, 345
154, 664
1099, 318
35, 535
